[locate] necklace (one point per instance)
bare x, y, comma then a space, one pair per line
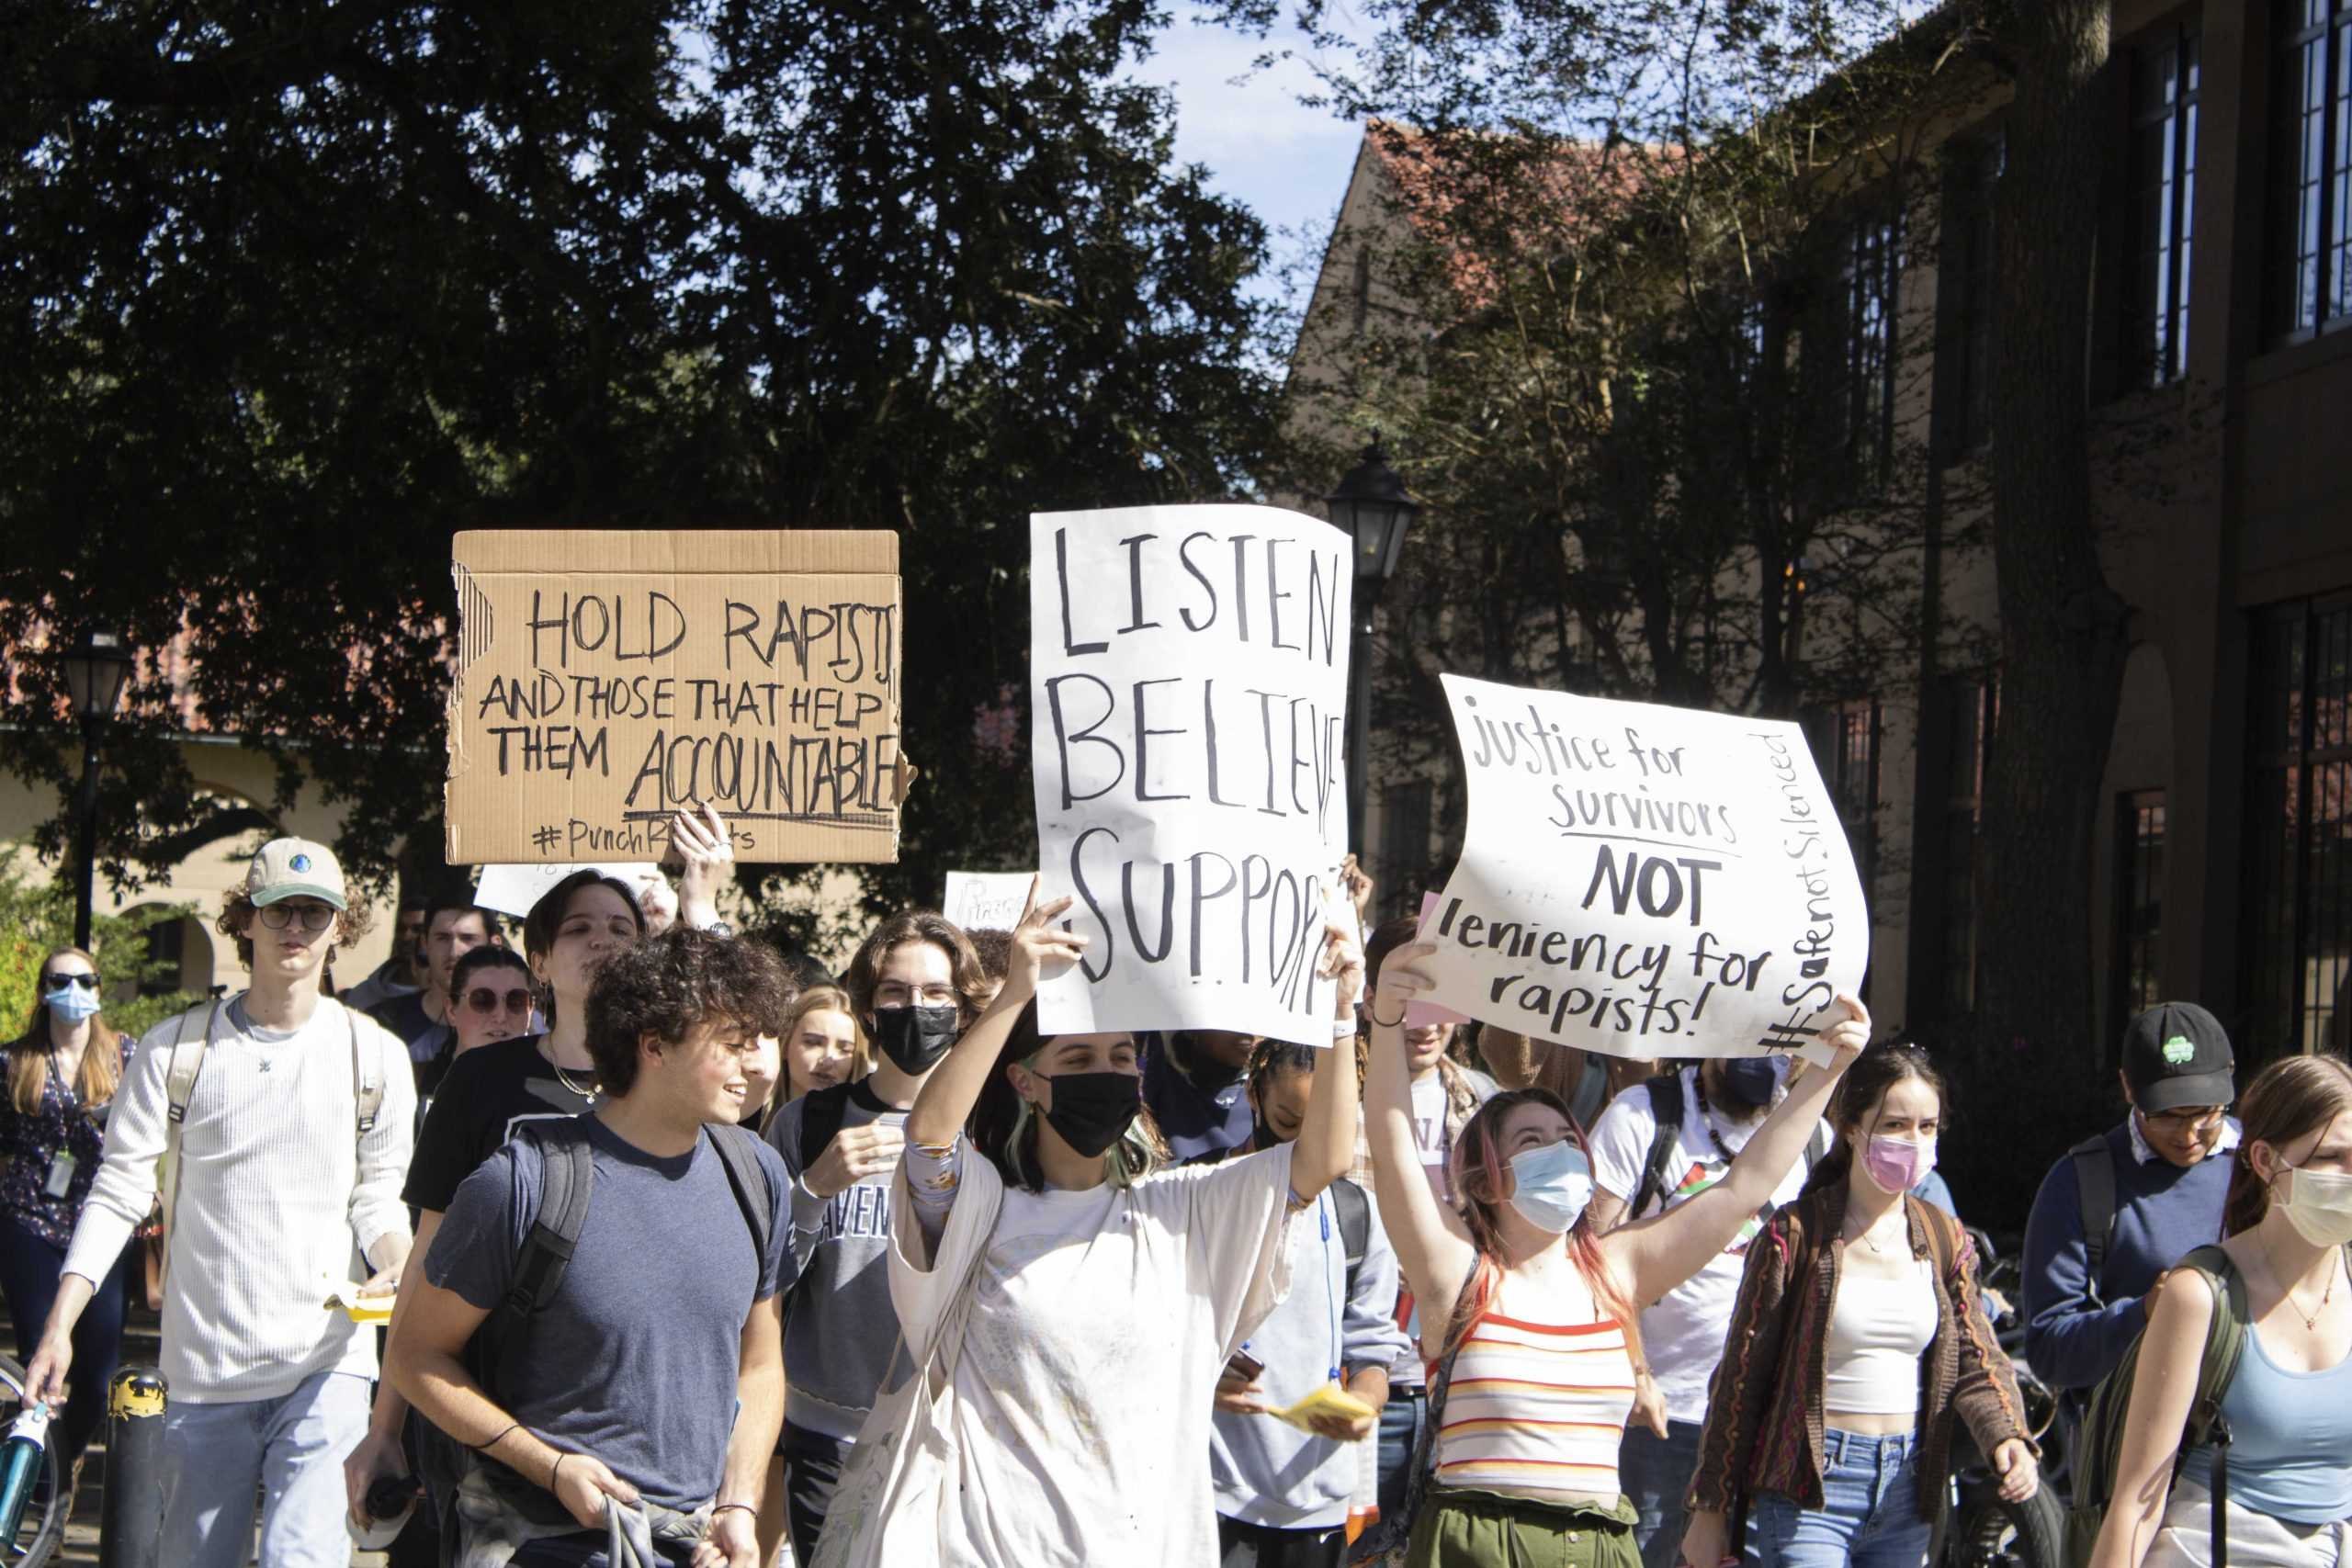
2310, 1319
1869, 1240
586, 1091
1707, 1114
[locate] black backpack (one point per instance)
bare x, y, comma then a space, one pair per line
2094, 1160
568, 1179
1666, 1104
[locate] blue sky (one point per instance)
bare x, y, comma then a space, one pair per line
1288, 162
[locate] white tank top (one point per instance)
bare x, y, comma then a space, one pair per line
1878, 1330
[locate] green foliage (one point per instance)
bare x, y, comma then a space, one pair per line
37, 917
296, 292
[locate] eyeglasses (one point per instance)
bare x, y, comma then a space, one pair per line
2186, 1116
87, 982
315, 917
482, 998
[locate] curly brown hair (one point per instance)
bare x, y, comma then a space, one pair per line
972, 984
237, 919
667, 986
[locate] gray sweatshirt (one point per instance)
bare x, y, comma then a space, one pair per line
1267, 1472
839, 1327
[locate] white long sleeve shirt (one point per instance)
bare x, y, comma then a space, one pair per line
279, 1197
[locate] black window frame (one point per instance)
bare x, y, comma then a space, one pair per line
2312, 170
2138, 979
2162, 193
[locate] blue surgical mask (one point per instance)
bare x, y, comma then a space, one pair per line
70, 1003
1551, 1185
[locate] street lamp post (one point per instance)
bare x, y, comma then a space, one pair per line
97, 667
1372, 507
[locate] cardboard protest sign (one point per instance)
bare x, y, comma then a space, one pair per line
1188, 686
513, 889
606, 679
986, 900
1645, 881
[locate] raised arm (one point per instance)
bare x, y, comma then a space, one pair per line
1433, 1247
1325, 1147
2162, 1388
944, 1104
1658, 1254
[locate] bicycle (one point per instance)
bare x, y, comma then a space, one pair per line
41, 1529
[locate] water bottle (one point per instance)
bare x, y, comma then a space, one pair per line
19, 1463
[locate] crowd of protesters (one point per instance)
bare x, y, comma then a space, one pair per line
701, 1254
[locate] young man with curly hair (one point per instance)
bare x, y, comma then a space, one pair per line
646, 1391
295, 1134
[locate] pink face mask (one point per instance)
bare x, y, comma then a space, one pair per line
1898, 1164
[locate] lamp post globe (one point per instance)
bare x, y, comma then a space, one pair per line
97, 668
1372, 506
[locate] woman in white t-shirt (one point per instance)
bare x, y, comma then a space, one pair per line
1105, 1294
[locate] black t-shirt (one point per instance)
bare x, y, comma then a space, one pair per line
404, 1016
485, 1094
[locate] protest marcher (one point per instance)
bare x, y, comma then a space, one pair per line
1583, 1079
1282, 1494
2124, 1206
634, 1399
1192, 1087
291, 1117
1855, 1343
1446, 1094
402, 973
1644, 1162
1067, 1304
995, 947
1537, 1344
822, 1045
487, 1094
2288, 1405
915, 983
453, 926
490, 999
63, 1073
763, 1070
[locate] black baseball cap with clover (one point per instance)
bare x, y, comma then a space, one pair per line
2177, 1054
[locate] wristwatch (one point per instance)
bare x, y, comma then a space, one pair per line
719, 928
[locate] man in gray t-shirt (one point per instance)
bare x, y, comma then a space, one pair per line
653, 1374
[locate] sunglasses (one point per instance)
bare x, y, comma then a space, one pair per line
315, 917
482, 998
87, 982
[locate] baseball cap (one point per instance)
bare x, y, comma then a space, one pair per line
294, 868
2176, 1054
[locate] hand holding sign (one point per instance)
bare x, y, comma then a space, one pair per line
708, 851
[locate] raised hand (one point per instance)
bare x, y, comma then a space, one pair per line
1041, 950
708, 850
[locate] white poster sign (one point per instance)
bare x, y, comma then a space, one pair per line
1645, 881
986, 900
513, 889
1188, 690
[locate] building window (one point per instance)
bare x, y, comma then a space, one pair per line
2164, 189
1872, 269
1975, 707
2315, 97
2139, 902
1969, 271
2297, 956
1845, 740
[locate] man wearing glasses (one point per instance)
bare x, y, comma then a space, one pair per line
2126, 1205
298, 1119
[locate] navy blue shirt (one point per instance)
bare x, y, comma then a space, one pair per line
2077, 1328
1204, 1111
635, 1359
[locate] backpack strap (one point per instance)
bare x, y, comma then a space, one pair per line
2094, 1160
366, 1079
1355, 1225
567, 1175
739, 1151
179, 1087
1666, 1104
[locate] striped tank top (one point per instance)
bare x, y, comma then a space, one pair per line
1537, 1407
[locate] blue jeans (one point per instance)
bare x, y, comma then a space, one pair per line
1401, 1420
29, 1269
1869, 1514
1655, 1473
290, 1447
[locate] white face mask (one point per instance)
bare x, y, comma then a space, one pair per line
2318, 1203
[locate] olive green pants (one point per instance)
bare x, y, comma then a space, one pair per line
1460, 1528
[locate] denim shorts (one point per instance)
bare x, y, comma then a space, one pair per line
1868, 1518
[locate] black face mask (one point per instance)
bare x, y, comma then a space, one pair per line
1262, 1135
1749, 1079
915, 1038
1093, 1111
